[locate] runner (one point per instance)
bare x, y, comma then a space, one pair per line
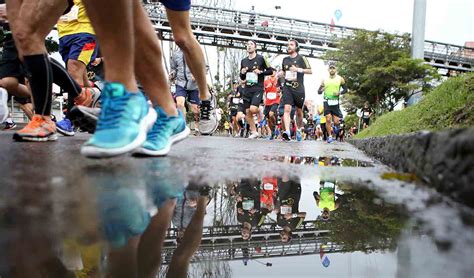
294, 68
326, 199
272, 101
366, 114
332, 90
186, 87
289, 217
234, 104
78, 48
253, 70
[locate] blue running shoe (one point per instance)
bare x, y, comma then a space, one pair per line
330, 140
123, 123
165, 132
299, 137
65, 127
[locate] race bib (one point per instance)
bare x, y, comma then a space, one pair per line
70, 16
252, 78
285, 209
235, 101
290, 75
268, 186
366, 114
247, 204
332, 102
271, 95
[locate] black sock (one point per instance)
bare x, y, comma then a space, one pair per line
40, 76
62, 78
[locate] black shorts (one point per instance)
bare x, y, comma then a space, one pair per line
271, 108
252, 96
292, 97
10, 65
332, 109
233, 112
366, 121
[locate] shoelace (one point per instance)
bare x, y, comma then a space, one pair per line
160, 125
205, 111
112, 111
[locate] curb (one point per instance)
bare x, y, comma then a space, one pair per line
443, 160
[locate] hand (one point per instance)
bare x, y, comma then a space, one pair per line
288, 216
257, 71
96, 62
244, 70
281, 74
293, 68
192, 78
337, 94
240, 211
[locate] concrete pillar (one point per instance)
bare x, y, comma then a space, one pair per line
418, 29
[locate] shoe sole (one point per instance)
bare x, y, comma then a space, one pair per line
64, 132
145, 125
19, 138
173, 140
84, 120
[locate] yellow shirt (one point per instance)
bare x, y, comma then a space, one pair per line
76, 21
321, 113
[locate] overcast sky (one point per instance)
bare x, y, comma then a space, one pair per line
446, 21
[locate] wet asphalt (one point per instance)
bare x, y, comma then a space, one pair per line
48, 185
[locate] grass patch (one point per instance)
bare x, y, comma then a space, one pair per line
450, 105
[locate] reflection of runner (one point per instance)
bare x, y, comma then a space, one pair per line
268, 193
248, 207
288, 216
326, 199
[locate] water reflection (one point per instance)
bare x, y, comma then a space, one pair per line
150, 222
319, 161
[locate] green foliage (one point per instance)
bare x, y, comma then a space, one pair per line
51, 45
364, 222
377, 68
350, 120
450, 105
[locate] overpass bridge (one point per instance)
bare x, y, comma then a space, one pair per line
229, 28
224, 243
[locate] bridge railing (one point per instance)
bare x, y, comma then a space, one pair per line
277, 30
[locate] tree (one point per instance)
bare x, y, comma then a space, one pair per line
377, 68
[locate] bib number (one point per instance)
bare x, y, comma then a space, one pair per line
248, 204
271, 96
290, 76
71, 15
285, 210
252, 78
268, 186
332, 102
235, 101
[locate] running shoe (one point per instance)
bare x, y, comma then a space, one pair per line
254, 135
299, 136
38, 129
286, 136
9, 125
88, 97
124, 121
84, 117
3, 105
65, 127
208, 118
330, 140
165, 132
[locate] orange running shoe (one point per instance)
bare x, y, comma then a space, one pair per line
89, 97
38, 129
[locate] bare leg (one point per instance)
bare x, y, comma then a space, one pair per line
151, 241
14, 88
184, 38
180, 104
299, 117
117, 47
250, 120
287, 118
151, 74
329, 124
191, 240
123, 261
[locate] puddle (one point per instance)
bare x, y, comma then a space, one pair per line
243, 228
319, 161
